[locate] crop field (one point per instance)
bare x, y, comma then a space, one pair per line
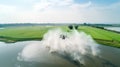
23, 33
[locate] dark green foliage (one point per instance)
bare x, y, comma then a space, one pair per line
70, 27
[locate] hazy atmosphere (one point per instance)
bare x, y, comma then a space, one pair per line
59, 11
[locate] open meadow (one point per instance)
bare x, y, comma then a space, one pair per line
25, 33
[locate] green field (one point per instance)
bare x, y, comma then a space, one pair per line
102, 36
23, 33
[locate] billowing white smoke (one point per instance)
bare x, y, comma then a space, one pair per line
73, 45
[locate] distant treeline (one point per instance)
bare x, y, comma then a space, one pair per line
38, 24
103, 25
59, 24
22, 24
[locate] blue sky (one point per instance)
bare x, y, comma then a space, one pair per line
59, 11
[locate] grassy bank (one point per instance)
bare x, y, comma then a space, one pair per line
23, 33
102, 36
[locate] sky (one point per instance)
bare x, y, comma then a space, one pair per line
59, 11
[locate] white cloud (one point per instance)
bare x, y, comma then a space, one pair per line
48, 11
108, 13
6, 12
53, 4
62, 2
7, 9
43, 4
46, 4
79, 6
61, 11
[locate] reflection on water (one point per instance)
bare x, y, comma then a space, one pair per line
9, 57
113, 28
2, 28
109, 57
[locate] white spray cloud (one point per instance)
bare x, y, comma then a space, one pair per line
76, 44
74, 47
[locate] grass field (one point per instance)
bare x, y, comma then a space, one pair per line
102, 36
23, 33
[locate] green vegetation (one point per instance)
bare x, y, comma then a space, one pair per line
102, 36
23, 33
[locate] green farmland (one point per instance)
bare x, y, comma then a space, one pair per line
102, 36
24, 33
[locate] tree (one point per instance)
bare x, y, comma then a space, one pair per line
70, 26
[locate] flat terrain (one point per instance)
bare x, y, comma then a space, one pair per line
103, 36
23, 33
